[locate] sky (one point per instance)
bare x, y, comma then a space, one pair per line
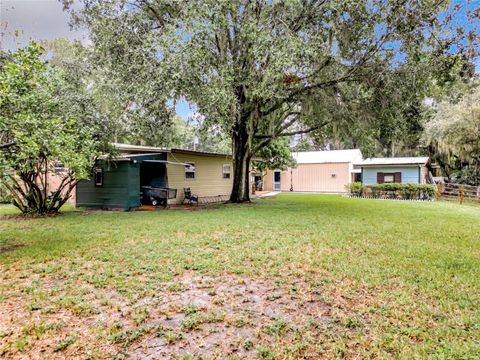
25, 20
34, 19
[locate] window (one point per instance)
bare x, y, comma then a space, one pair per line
388, 178
227, 169
98, 176
58, 168
276, 176
190, 171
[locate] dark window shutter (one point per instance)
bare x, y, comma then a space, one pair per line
398, 177
380, 178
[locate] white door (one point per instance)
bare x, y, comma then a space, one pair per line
276, 180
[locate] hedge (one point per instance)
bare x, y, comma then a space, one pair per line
393, 191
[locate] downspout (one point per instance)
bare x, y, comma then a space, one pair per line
291, 179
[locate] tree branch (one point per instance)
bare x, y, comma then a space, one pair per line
18, 198
349, 75
303, 131
267, 139
300, 91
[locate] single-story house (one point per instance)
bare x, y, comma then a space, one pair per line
326, 171
121, 182
413, 170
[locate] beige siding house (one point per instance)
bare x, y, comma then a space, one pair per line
209, 175
316, 171
145, 175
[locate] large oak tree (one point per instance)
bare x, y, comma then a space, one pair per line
262, 69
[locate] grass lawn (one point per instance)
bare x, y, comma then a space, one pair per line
299, 276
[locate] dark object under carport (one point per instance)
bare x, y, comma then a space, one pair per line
157, 195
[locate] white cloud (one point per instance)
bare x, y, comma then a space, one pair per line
35, 20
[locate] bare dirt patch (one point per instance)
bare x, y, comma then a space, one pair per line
217, 317
192, 315
21, 216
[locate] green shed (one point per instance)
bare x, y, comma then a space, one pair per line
116, 184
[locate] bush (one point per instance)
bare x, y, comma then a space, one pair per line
427, 191
410, 191
355, 188
393, 191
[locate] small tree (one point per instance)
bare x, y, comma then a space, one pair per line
275, 156
37, 136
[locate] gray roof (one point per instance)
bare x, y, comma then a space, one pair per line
138, 148
420, 160
328, 156
141, 150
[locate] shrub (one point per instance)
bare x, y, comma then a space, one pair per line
410, 191
394, 191
389, 190
355, 188
426, 191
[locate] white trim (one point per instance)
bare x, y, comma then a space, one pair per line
190, 164
279, 171
229, 171
394, 161
129, 147
98, 170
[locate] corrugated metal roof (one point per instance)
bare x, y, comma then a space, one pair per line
127, 156
420, 160
129, 149
194, 152
328, 156
138, 148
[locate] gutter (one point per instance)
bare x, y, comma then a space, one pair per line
166, 162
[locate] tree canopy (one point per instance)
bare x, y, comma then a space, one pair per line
260, 69
454, 133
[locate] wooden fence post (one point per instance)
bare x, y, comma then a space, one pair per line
439, 190
462, 194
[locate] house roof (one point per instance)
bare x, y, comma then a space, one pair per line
194, 152
137, 148
141, 150
420, 160
328, 156
125, 156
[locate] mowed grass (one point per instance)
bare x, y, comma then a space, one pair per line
401, 279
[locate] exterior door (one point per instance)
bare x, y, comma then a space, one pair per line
276, 180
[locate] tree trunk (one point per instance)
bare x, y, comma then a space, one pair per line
30, 192
241, 165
